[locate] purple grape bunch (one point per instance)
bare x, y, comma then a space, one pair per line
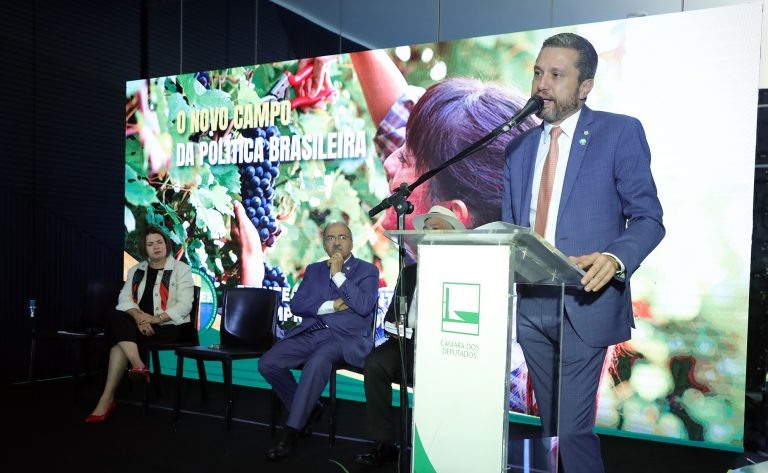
274, 277
257, 181
204, 78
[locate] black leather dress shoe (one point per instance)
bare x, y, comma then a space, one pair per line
381, 453
314, 417
284, 447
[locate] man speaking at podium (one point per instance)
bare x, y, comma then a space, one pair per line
583, 181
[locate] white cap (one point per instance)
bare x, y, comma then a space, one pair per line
441, 212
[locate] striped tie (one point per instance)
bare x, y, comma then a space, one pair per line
319, 325
547, 182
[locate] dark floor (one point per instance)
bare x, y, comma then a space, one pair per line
44, 431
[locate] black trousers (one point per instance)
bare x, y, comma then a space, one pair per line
382, 368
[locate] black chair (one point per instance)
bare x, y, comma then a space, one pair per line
248, 322
188, 337
332, 400
99, 299
332, 384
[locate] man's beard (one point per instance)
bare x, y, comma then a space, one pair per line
560, 110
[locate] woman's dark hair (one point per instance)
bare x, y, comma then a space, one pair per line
152, 230
450, 116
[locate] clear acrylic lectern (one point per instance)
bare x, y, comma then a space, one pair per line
466, 356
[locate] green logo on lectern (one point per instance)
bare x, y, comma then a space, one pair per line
461, 308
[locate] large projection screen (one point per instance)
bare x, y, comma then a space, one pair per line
243, 181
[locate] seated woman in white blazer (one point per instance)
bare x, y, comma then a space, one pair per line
155, 300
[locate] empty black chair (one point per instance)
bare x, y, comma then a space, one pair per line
188, 337
248, 321
99, 299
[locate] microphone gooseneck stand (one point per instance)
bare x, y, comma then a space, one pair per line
402, 208
399, 200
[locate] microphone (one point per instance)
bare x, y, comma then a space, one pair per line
534, 105
383, 205
397, 199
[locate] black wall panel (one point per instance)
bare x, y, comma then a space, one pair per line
17, 132
162, 46
62, 160
757, 340
62, 129
761, 152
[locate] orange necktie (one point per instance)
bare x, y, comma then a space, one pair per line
547, 181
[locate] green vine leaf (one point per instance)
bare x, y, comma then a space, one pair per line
193, 252
160, 107
316, 121
246, 94
130, 221
183, 176
139, 192
215, 99
154, 218
208, 216
263, 76
171, 213
201, 198
170, 86
215, 223
134, 157
221, 200
192, 88
176, 104
179, 234
227, 176
130, 173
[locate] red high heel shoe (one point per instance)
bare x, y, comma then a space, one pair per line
139, 374
94, 419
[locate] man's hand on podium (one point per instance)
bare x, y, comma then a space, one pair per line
600, 268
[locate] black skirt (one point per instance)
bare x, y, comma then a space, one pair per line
121, 327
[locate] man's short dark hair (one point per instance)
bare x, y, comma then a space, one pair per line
587, 61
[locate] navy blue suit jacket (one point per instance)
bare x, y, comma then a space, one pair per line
608, 204
353, 327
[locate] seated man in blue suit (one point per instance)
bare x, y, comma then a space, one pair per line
336, 301
583, 181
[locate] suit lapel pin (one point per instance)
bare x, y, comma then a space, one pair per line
583, 141
346, 268
586, 132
